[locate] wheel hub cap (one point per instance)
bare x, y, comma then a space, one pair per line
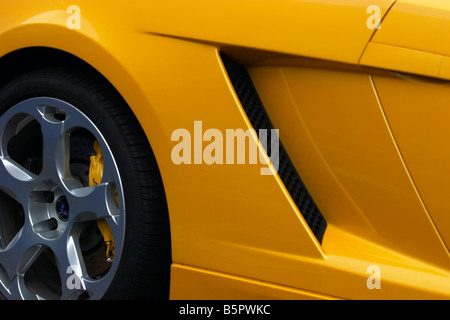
62, 208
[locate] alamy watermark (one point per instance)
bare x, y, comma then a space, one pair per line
236, 146
374, 280
73, 22
73, 281
374, 20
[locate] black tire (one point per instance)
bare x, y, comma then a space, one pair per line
143, 271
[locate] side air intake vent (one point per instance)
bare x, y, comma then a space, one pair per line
259, 119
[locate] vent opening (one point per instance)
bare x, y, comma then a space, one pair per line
258, 117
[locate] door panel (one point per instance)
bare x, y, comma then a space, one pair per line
418, 111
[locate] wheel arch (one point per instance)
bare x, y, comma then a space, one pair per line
27, 58
44, 40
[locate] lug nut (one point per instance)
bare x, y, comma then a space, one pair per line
43, 196
46, 225
49, 196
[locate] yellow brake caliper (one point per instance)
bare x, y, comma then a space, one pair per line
95, 177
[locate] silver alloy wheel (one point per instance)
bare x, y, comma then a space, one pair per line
49, 241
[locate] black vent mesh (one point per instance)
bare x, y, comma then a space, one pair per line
259, 119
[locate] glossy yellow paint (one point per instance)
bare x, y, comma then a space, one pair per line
417, 110
412, 39
210, 285
402, 59
350, 140
334, 126
418, 25
343, 274
229, 224
339, 33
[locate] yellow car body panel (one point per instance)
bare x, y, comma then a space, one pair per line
237, 233
412, 39
424, 150
416, 24
354, 131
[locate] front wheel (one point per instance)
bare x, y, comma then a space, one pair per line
84, 214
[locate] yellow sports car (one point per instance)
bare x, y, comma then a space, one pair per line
226, 149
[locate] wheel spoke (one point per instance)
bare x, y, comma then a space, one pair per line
56, 150
15, 180
9, 259
71, 266
21, 252
93, 287
12, 292
92, 203
74, 276
15, 263
109, 166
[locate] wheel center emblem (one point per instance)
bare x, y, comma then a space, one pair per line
62, 208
